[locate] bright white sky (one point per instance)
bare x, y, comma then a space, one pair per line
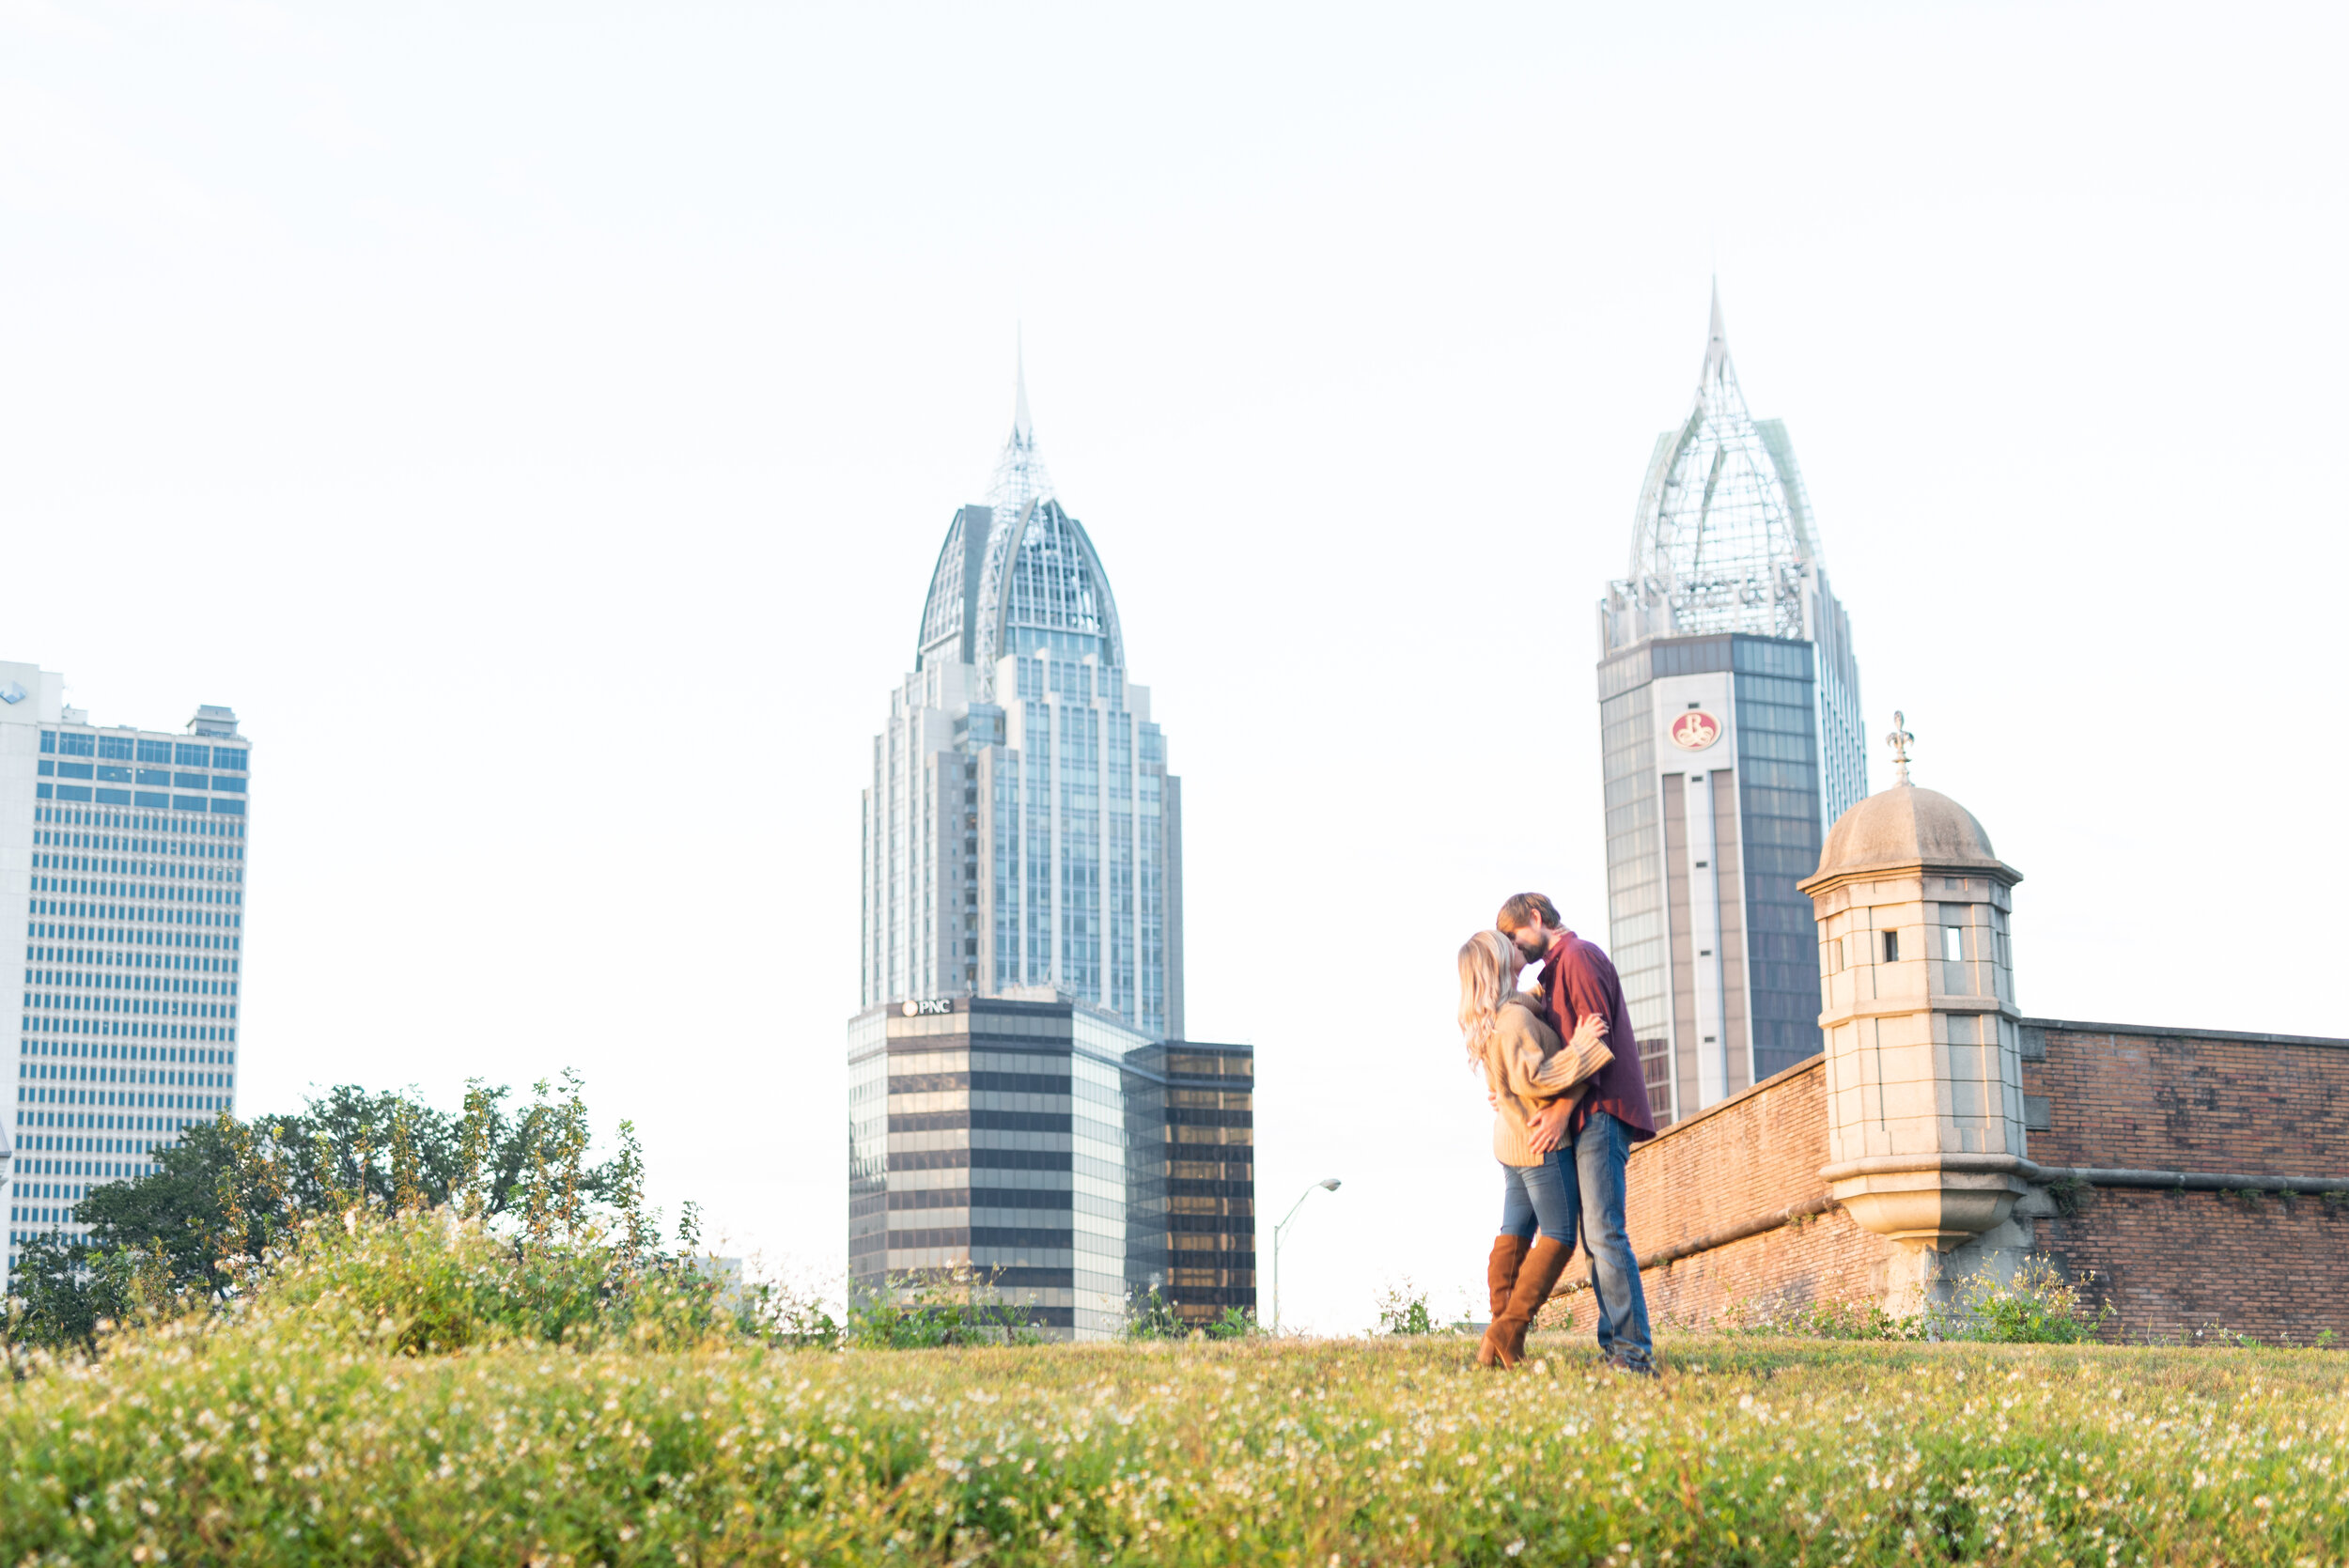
539, 423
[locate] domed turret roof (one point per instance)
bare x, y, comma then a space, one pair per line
1904, 826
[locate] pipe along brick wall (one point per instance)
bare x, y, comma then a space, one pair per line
2200, 1177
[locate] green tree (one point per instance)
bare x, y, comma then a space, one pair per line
227, 1191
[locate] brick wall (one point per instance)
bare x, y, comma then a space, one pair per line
2098, 1096
2271, 1105
2172, 1262
1752, 1155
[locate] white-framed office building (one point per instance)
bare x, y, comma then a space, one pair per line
122, 863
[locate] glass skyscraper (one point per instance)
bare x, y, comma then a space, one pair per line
1021, 1104
122, 856
1728, 713
1022, 829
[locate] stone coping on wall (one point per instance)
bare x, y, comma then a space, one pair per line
2148, 1031
2067, 1026
1812, 1064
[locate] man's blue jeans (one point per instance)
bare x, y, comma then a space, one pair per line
1599, 1154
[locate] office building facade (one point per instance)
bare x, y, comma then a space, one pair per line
122, 860
1728, 713
1061, 1162
1023, 1106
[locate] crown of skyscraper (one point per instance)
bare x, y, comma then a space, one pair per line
1018, 574
1723, 528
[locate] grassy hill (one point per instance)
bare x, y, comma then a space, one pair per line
278, 1441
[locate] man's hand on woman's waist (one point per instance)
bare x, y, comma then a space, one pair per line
1547, 1128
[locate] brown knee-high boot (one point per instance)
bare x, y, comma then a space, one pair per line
1501, 1281
1501, 1269
1536, 1278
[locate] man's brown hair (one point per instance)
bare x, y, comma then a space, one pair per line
1525, 908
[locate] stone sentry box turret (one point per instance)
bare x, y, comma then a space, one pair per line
1924, 1083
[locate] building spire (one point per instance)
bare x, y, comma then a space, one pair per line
1716, 338
1020, 472
1022, 427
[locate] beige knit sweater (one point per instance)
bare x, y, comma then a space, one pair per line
1526, 1067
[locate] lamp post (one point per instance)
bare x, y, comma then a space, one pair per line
1327, 1184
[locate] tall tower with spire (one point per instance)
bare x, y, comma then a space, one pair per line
1729, 703
1021, 1103
1022, 834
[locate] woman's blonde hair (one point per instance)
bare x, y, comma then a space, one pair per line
1489, 963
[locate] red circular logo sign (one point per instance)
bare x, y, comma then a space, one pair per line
1695, 730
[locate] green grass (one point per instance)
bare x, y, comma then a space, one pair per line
278, 1441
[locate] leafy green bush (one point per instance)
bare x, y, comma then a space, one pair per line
1152, 1316
434, 1282
1403, 1310
454, 1231
1233, 1323
788, 1316
929, 1311
2036, 1306
1820, 1320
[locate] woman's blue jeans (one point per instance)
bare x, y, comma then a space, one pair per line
1540, 1197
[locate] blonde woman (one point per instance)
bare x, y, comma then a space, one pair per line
1524, 1069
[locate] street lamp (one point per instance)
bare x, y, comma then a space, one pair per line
1327, 1184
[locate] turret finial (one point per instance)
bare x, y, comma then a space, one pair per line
1900, 740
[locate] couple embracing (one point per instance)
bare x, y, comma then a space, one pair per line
1562, 1071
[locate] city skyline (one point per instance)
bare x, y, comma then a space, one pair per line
501, 415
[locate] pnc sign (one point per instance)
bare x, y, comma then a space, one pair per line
914, 1008
1695, 730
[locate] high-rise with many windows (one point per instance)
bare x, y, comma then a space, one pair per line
1729, 712
1022, 829
1022, 1109
122, 860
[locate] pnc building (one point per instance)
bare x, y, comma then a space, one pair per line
1023, 1109
1729, 714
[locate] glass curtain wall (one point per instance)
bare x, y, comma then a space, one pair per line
1635, 867
1778, 768
1098, 1167
868, 1154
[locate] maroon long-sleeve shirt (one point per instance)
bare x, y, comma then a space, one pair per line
1579, 978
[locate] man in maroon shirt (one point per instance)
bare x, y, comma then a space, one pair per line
1599, 1128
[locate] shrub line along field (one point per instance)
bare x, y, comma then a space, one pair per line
280, 1442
